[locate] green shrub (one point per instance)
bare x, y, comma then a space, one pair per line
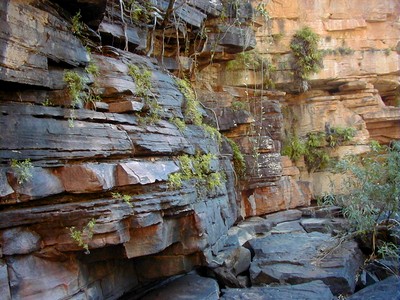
179, 123
22, 169
339, 135
293, 147
307, 57
240, 105
76, 87
371, 187
139, 11
314, 146
77, 25
371, 190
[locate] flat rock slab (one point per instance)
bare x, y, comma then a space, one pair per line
284, 216
385, 289
288, 227
188, 287
315, 290
304, 257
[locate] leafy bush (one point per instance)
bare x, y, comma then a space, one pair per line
192, 110
371, 194
339, 135
308, 59
371, 187
76, 86
293, 147
77, 25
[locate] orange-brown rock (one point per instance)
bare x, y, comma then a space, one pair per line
284, 194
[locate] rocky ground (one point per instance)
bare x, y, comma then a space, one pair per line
294, 254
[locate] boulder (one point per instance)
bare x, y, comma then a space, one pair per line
288, 227
388, 288
256, 225
284, 216
87, 178
232, 262
305, 257
25, 283
314, 290
314, 224
191, 286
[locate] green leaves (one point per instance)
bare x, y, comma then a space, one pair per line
198, 168
22, 170
308, 59
371, 186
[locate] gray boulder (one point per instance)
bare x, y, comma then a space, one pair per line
191, 286
304, 257
315, 290
385, 289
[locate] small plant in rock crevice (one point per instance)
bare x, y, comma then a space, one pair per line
125, 197
77, 25
142, 78
240, 105
198, 168
239, 162
179, 123
78, 89
192, 110
22, 169
82, 237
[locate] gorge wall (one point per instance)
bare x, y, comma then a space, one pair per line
97, 213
